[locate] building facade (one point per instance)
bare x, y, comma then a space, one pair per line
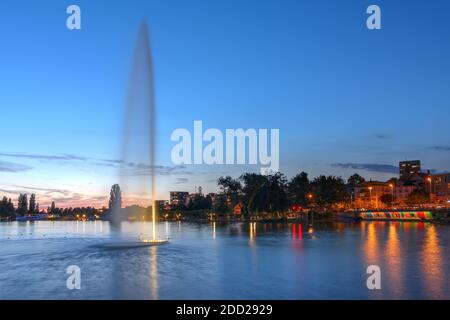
368, 194
179, 198
402, 191
440, 187
409, 168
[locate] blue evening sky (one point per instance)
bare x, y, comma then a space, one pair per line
346, 99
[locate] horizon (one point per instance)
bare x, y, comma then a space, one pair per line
144, 202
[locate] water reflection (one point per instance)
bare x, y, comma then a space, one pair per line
153, 251
406, 244
167, 229
297, 231
371, 244
275, 260
252, 233
432, 263
394, 259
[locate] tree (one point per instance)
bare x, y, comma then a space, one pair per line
386, 199
255, 191
328, 190
299, 188
6, 208
52, 208
418, 197
199, 202
278, 198
264, 193
221, 204
3, 207
32, 208
115, 197
354, 180
231, 188
10, 205
22, 204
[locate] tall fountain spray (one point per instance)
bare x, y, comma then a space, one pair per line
138, 174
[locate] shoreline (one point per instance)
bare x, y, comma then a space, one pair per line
331, 219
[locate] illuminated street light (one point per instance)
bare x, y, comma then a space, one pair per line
429, 180
392, 189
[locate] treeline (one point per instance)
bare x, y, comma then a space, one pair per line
196, 202
27, 205
256, 193
24, 206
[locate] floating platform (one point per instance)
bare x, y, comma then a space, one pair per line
154, 241
395, 215
130, 244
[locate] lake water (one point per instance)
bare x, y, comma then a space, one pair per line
229, 261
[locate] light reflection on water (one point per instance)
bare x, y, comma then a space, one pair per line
226, 261
432, 262
153, 252
394, 256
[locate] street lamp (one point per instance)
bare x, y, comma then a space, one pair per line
351, 199
310, 196
429, 180
392, 189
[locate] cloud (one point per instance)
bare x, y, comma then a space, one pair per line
441, 148
114, 161
435, 171
43, 157
62, 198
128, 168
9, 191
373, 167
80, 200
140, 169
383, 136
13, 167
182, 180
47, 191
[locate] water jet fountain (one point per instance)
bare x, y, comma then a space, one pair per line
138, 154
